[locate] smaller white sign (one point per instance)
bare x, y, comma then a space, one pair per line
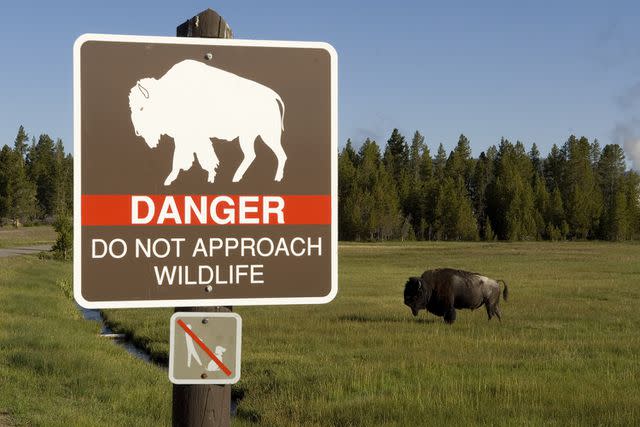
204, 348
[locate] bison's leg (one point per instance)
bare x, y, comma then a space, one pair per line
450, 315
207, 158
273, 142
182, 160
172, 176
248, 149
489, 310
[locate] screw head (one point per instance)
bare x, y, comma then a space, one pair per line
208, 56
209, 288
203, 376
205, 321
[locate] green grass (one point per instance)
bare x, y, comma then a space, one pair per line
566, 353
54, 368
25, 236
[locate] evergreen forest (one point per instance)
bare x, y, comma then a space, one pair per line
579, 191
403, 191
36, 180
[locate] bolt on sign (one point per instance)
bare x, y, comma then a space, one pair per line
205, 172
204, 348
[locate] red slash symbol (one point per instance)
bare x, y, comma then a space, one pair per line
204, 347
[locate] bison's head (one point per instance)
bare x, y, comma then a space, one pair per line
143, 107
416, 294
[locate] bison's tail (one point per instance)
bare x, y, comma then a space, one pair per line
282, 116
505, 291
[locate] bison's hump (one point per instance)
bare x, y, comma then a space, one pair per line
195, 72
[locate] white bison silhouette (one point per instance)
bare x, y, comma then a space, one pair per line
193, 102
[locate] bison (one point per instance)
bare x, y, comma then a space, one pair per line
443, 290
193, 102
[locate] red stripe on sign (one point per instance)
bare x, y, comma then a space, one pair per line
181, 209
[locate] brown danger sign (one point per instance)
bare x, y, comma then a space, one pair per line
205, 172
204, 348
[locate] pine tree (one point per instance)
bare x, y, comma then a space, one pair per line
20, 145
415, 155
367, 176
621, 222
492, 153
510, 196
594, 153
611, 167
553, 167
583, 198
446, 210
41, 170
425, 168
5, 161
454, 212
63, 246
467, 226
422, 197
461, 162
541, 206
397, 163
555, 215
16, 191
347, 218
406, 230
68, 183
387, 205
429, 202
480, 181
463, 147
369, 162
521, 223
489, 235
536, 163
610, 171
375, 198
62, 181
350, 152
523, 163
413, 207
439, 163
396, 154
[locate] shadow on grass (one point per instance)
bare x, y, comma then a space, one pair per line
363, 318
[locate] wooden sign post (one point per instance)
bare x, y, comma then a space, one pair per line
202, 404
236, 206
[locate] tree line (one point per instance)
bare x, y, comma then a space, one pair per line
36, 180
580, 190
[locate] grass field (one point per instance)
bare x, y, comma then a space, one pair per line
25, 236
54, 368
566, 353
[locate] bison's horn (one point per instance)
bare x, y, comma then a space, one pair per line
144, 91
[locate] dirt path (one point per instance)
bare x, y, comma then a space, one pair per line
5, 420
23, 250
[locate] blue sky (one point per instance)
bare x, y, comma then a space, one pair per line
537, 71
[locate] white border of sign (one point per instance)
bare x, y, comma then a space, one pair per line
77, 189
172, 329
